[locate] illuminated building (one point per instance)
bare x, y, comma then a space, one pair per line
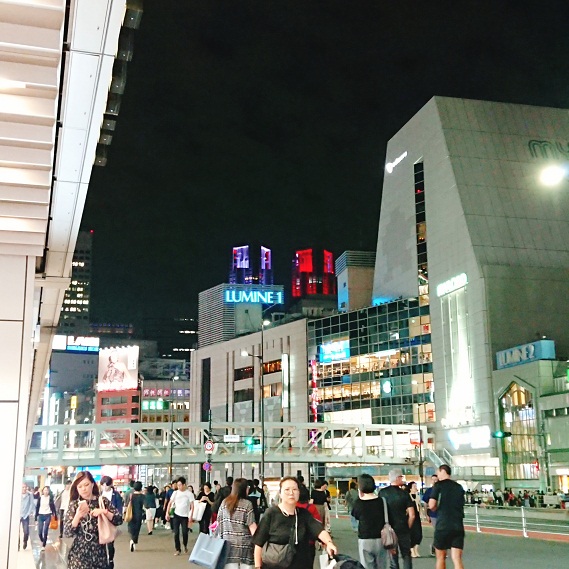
241, 271
74, 317
313, 273
462, 186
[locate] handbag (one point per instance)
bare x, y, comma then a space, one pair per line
107, 530
277, 556
128, 513
388, 535
199, 509
53, 523
210, 552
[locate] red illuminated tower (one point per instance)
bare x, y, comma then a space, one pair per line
313, 273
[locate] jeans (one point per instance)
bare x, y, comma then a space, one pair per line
354, 523
26, 530
372, 553
43, 527
177, 523
404, 540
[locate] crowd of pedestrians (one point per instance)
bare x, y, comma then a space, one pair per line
242, 513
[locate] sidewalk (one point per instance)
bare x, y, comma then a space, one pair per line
482, 551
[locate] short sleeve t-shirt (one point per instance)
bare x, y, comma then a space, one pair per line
398, 501
370, 516
450, 505
182, 501
318, 497
275, 527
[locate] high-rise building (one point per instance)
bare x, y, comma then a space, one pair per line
313, 273
354, 271
74, 317
241, 271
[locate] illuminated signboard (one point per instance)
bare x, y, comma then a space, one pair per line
253, 296
452, 284
391, 165
526, 353
118, 368
75, 343
335, 351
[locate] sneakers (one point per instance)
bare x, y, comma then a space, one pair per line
178, 553
132, 547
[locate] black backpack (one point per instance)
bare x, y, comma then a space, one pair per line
347, 562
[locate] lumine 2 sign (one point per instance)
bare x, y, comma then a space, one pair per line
253, 296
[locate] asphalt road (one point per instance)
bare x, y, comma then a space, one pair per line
482, 551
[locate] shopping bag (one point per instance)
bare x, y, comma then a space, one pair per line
128, 513
53, 523
199, 509
326, 562
210, 552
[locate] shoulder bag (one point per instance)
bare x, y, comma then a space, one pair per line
128, 512
388, 535
277, 556
107, 530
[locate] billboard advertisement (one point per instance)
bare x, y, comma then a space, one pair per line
118, 368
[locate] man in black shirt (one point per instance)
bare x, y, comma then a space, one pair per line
222, 494
368, 510
447, 499
401, 516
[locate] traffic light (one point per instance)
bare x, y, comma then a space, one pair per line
251, 441
501, 434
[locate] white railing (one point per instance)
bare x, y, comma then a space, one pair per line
179, 442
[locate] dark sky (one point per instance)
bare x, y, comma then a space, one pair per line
265, 121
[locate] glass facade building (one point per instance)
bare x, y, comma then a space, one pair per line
372, 365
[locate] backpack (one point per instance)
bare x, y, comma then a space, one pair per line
347, 562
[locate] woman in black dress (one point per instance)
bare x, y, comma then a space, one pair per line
137, 505
81, 523
207, 496
416, 528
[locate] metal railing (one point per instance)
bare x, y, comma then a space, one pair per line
525, 521
152, 443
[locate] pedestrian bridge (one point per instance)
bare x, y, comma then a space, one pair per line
183, 443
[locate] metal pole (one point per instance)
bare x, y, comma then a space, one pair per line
524, 525
421, 473
170, 470
262, 404
477, 518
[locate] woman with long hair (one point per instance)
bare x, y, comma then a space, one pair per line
81, 523
286, 523
236, 524
45, 508
416, 528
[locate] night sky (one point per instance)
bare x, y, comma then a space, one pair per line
265, 121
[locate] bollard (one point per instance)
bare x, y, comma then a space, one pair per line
524, 525
477, 520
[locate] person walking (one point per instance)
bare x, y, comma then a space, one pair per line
431, 514
304, 502
351, 497
318, 497
236, 524
222, 493
447, 499
137, 504
150, 508
63, 505
369, 514
27, 510
109, 492
416, 528
44, 510
82, 524
182, 502
401, 517
207, 496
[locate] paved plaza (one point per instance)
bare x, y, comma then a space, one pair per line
482, 551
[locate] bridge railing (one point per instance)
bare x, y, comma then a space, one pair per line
156, 443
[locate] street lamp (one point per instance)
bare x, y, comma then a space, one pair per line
260, 357
170, 470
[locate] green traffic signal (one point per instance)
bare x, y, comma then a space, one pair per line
249, 441
501, 434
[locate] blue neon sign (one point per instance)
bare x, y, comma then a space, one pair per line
518, 355
253, 296
335, 351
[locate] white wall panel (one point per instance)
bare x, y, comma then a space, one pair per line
10, 356
70, 155
12, 288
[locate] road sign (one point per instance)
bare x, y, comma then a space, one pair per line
207, 466
209, 446
231, 438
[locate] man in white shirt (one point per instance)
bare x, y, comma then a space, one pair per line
182, 500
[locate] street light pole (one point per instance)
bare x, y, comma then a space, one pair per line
171, 468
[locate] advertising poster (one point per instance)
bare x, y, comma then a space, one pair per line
118, 368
